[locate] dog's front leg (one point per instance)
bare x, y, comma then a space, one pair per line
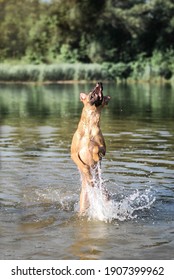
80, 164
98, 152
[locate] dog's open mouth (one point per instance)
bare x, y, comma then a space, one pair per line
96, 96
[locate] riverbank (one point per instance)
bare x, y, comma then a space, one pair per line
73, 73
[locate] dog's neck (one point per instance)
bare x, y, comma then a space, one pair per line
90, 118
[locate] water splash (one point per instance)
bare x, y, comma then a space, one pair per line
107, 210
101, 208
58, 197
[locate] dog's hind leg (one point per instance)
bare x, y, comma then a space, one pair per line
84, 200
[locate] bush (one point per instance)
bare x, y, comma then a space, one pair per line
120, 70
165, 71
51, 73
143, 69
123, 70
167, 74
163, 63
58, 72
93, 72
108, 70
19, 73
5, 73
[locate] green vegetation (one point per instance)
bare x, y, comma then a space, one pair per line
52, 73
140, 70
86, 40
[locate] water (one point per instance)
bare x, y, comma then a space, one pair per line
40, 185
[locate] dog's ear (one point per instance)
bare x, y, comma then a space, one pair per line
106, 100
83, 96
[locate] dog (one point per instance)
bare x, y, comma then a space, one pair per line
88, 144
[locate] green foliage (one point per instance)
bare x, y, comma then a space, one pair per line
58, 72
122, 39
113, 71
22, 73
143, 69
123, 70
50, 73
163, 62
138, 67
165, 71
85, 31
67, 71
62, 72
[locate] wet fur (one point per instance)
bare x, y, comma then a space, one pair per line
88, 144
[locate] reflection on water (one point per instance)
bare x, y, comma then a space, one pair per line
40, 185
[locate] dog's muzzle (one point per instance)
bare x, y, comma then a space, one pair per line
96, 96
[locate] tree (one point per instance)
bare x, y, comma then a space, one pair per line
17, 17
42, 40
85, 30
158, 27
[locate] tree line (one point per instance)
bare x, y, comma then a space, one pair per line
85, 31
117, 39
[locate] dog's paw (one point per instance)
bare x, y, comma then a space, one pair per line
102, 151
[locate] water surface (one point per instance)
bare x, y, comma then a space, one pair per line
40, 185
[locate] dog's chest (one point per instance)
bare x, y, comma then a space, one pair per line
94, 131
89, 126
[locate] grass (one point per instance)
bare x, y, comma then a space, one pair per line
79, 72
22, 73
50, 73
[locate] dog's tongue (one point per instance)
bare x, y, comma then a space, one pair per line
96, 96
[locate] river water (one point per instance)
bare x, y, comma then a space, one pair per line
40, 185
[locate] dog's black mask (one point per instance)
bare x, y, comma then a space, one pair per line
96, 96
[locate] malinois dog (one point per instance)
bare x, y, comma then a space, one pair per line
88, 144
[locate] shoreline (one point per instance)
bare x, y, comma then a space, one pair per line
79, 73
157, 81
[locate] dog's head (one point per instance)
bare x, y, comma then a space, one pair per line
95, 98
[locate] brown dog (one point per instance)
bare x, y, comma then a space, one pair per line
88, 145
